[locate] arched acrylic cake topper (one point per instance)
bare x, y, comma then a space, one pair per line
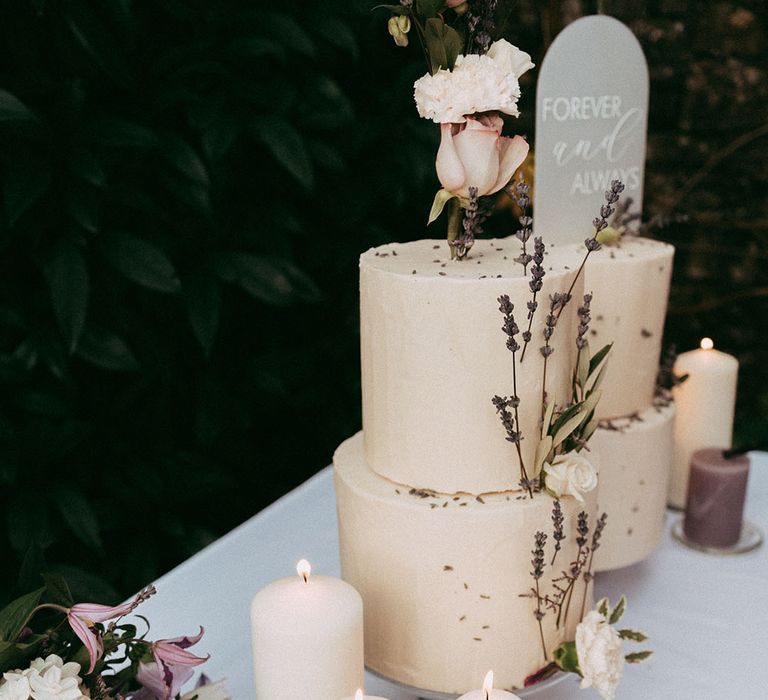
591, 120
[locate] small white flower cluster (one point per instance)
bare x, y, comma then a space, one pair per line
45, 679
600, 653
477, 83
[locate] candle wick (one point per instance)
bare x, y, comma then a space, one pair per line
305, 577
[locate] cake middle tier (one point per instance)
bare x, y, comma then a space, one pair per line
446, 581
433, 355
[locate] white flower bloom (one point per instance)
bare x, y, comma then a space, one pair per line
600, 653
14, 686
209, 691
571, 474
487, 83
45, 679
53, 684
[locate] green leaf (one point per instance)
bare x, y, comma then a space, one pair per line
286, 30
25, 181
19, 655
14, 615
598, 357
273, 281
542, 451
13, 109
429, 8
340, 34
637, 657
257, 47
203, 303
582, 371
87, 166
288, 148
632, 635
68, 282
594, 385
57, 590
442, 198
566, 657
123, 133
618, 611
106, 349
77, 513
548, 413
394, 9
141, 262
443, 44
185, 160
602, 607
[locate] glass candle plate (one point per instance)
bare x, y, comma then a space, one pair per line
535, 691
751, 538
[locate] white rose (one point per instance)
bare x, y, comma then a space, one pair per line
571, 474
600, 654
486, 83
209, 691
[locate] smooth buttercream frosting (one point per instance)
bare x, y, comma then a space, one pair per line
433, 355
635, 456
630, 286
441, 577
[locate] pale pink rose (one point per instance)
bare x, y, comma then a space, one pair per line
475, 154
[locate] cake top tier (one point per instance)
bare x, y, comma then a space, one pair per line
492, 258
632, 247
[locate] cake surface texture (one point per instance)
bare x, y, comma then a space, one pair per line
433, 355
635, 454
630, 286
442, 577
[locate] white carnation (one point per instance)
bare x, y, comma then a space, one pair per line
600, 654
571, 474
487, 83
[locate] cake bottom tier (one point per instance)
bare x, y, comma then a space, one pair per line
444, 579
635, 458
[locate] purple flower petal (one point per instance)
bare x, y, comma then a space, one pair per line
100, 613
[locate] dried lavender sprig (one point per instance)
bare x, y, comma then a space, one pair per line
521, 190
557, 302
481, 24
581, 333
470, 224
600, 222
596, 535
511, 329
577, 566
535, 285
559, 532
540, 539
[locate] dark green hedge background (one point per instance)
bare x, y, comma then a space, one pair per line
186, 186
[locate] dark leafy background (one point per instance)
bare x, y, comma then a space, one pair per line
186, 186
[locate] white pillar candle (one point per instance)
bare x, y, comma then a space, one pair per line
307, 634
488, 692
359, 696
705, 406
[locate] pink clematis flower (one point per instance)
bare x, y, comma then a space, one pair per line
82, 618
475, 154
172, 666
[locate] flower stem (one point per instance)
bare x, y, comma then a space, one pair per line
454, 225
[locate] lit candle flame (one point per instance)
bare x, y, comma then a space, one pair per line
303, 569
359, 694
707, 344
488, 684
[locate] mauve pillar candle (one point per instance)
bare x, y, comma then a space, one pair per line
717, 488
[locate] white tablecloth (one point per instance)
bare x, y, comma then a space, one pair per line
707, 616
